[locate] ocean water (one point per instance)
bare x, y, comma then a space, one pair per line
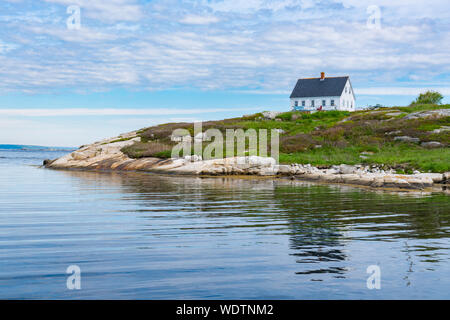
147, 236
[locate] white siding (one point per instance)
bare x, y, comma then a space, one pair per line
347, 99
317, 103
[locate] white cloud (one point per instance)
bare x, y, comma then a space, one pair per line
254, 5
82, 35
400, 91
264, 49
6, 47
194, 19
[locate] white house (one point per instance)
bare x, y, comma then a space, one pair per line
324, 93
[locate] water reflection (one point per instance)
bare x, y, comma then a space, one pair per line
322, 222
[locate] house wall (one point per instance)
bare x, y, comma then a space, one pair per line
347, 99
318, 103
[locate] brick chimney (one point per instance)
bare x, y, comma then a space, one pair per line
322, 76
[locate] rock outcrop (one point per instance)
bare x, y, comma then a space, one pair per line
107, 155
439, 113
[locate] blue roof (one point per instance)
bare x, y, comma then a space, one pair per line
315, 87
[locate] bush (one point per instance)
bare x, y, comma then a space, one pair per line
297, 143
148, 149
164, 131
429, 97
286, 116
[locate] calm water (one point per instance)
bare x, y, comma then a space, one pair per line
145, 236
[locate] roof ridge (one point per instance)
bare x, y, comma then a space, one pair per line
325, 78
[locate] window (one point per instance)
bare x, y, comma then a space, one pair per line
332, 103
303, 103
296, 103
324, 103
312, 103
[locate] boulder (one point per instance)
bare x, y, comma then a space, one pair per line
270, 115
391, 133
431, 144
435, 177
285, 170
441, 129
346, 169
407, 139
439, 113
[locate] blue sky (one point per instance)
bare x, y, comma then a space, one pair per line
135, 63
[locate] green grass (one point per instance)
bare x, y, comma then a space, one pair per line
414, 158
402, 156
341, 135
323, 156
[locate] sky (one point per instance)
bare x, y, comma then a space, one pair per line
77, 71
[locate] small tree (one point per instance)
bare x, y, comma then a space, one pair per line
429, 97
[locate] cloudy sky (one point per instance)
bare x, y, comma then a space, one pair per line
67, 79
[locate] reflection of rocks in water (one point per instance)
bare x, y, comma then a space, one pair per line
170, 182
316, 236
333, 270
319, 219
317, 243
322, 218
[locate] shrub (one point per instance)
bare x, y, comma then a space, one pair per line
297, 143
164, 131
429, 97
286, 116
148, 149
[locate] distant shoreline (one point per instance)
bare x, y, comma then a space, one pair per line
33, 147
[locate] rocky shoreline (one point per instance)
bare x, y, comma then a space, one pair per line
106, 155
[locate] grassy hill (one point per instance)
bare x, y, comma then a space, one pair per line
335, 137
